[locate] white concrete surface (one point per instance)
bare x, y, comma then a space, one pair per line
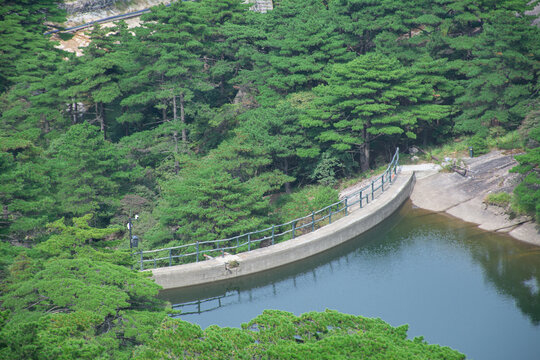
287, 252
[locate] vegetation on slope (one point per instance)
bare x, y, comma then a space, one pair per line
201, 116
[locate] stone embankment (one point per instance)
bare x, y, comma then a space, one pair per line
327, 237
463, 196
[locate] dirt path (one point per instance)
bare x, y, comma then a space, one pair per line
463, 197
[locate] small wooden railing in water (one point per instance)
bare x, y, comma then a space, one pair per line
201, 250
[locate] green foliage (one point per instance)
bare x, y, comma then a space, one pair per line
303, 202
21, 32
88, 172
206, 202
75, 298
528, 191
204, 112
371, 97
501, 199
479, 144
500, 73
281, 335
325, 171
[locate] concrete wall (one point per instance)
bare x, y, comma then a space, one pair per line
329, 236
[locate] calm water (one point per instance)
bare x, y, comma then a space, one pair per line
474, 291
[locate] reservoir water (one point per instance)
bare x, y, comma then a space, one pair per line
458, 286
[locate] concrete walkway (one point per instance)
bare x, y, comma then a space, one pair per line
327, 237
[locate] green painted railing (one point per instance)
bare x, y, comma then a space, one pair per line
202, 250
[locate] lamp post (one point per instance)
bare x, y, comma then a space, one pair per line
129, 227
133, 240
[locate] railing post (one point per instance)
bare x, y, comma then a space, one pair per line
330, 215
390, 172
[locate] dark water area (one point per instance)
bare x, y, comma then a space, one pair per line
458, 286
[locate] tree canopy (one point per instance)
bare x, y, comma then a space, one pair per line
206, 120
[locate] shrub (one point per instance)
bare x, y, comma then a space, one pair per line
501, 199
479, 144
306, 200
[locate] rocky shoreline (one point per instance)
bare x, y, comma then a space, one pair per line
463, 196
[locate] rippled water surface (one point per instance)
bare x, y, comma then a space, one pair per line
456, 285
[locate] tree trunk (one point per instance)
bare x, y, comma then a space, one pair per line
74, 111
175, 137
183, 120
176, 163
45, 122
364, 151
175, 117
100, 117
164, 111
286, 172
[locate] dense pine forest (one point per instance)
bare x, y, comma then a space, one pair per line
209, 121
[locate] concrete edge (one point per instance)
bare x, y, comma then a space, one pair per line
325, 238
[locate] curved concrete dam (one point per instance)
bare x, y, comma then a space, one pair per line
325, 238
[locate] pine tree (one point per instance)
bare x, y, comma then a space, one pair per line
21, 33
74, 297
301, 44
501, 74
370, 97
95, 76
207, 203
89, 173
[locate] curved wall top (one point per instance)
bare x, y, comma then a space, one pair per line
340, 231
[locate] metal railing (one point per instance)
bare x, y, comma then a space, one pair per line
202, 250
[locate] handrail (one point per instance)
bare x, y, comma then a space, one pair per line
195, 251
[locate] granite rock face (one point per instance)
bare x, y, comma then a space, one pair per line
84, 6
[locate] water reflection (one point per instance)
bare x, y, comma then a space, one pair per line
475, 291
515, 270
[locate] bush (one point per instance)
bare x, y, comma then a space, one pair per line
306, 200
501, 199
479, 144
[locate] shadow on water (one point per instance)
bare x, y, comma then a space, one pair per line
196, 295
